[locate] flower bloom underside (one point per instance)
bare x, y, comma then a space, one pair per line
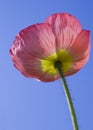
62, 56
60, 38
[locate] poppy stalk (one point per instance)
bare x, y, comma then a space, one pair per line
68, 97
53, 49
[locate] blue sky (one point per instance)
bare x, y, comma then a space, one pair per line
26, 104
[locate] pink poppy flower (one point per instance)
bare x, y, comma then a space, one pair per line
59, 38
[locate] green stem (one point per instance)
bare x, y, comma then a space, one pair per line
68, 97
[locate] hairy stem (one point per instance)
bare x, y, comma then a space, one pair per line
58, 66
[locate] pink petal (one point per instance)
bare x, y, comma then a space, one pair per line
61, 20
65, 38
65, 26
77, 66
47, 78
30, 66
27, 64
81, 46
37, 40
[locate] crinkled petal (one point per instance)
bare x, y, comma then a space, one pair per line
37, 40
81, 46
66, 27
30, 66
30, 46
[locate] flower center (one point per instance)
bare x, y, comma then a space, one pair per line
61, 57
57, 63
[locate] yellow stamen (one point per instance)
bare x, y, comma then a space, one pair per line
48, 64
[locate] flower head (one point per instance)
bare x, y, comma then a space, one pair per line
38, 47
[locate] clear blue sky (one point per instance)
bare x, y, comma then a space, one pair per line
26, 104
